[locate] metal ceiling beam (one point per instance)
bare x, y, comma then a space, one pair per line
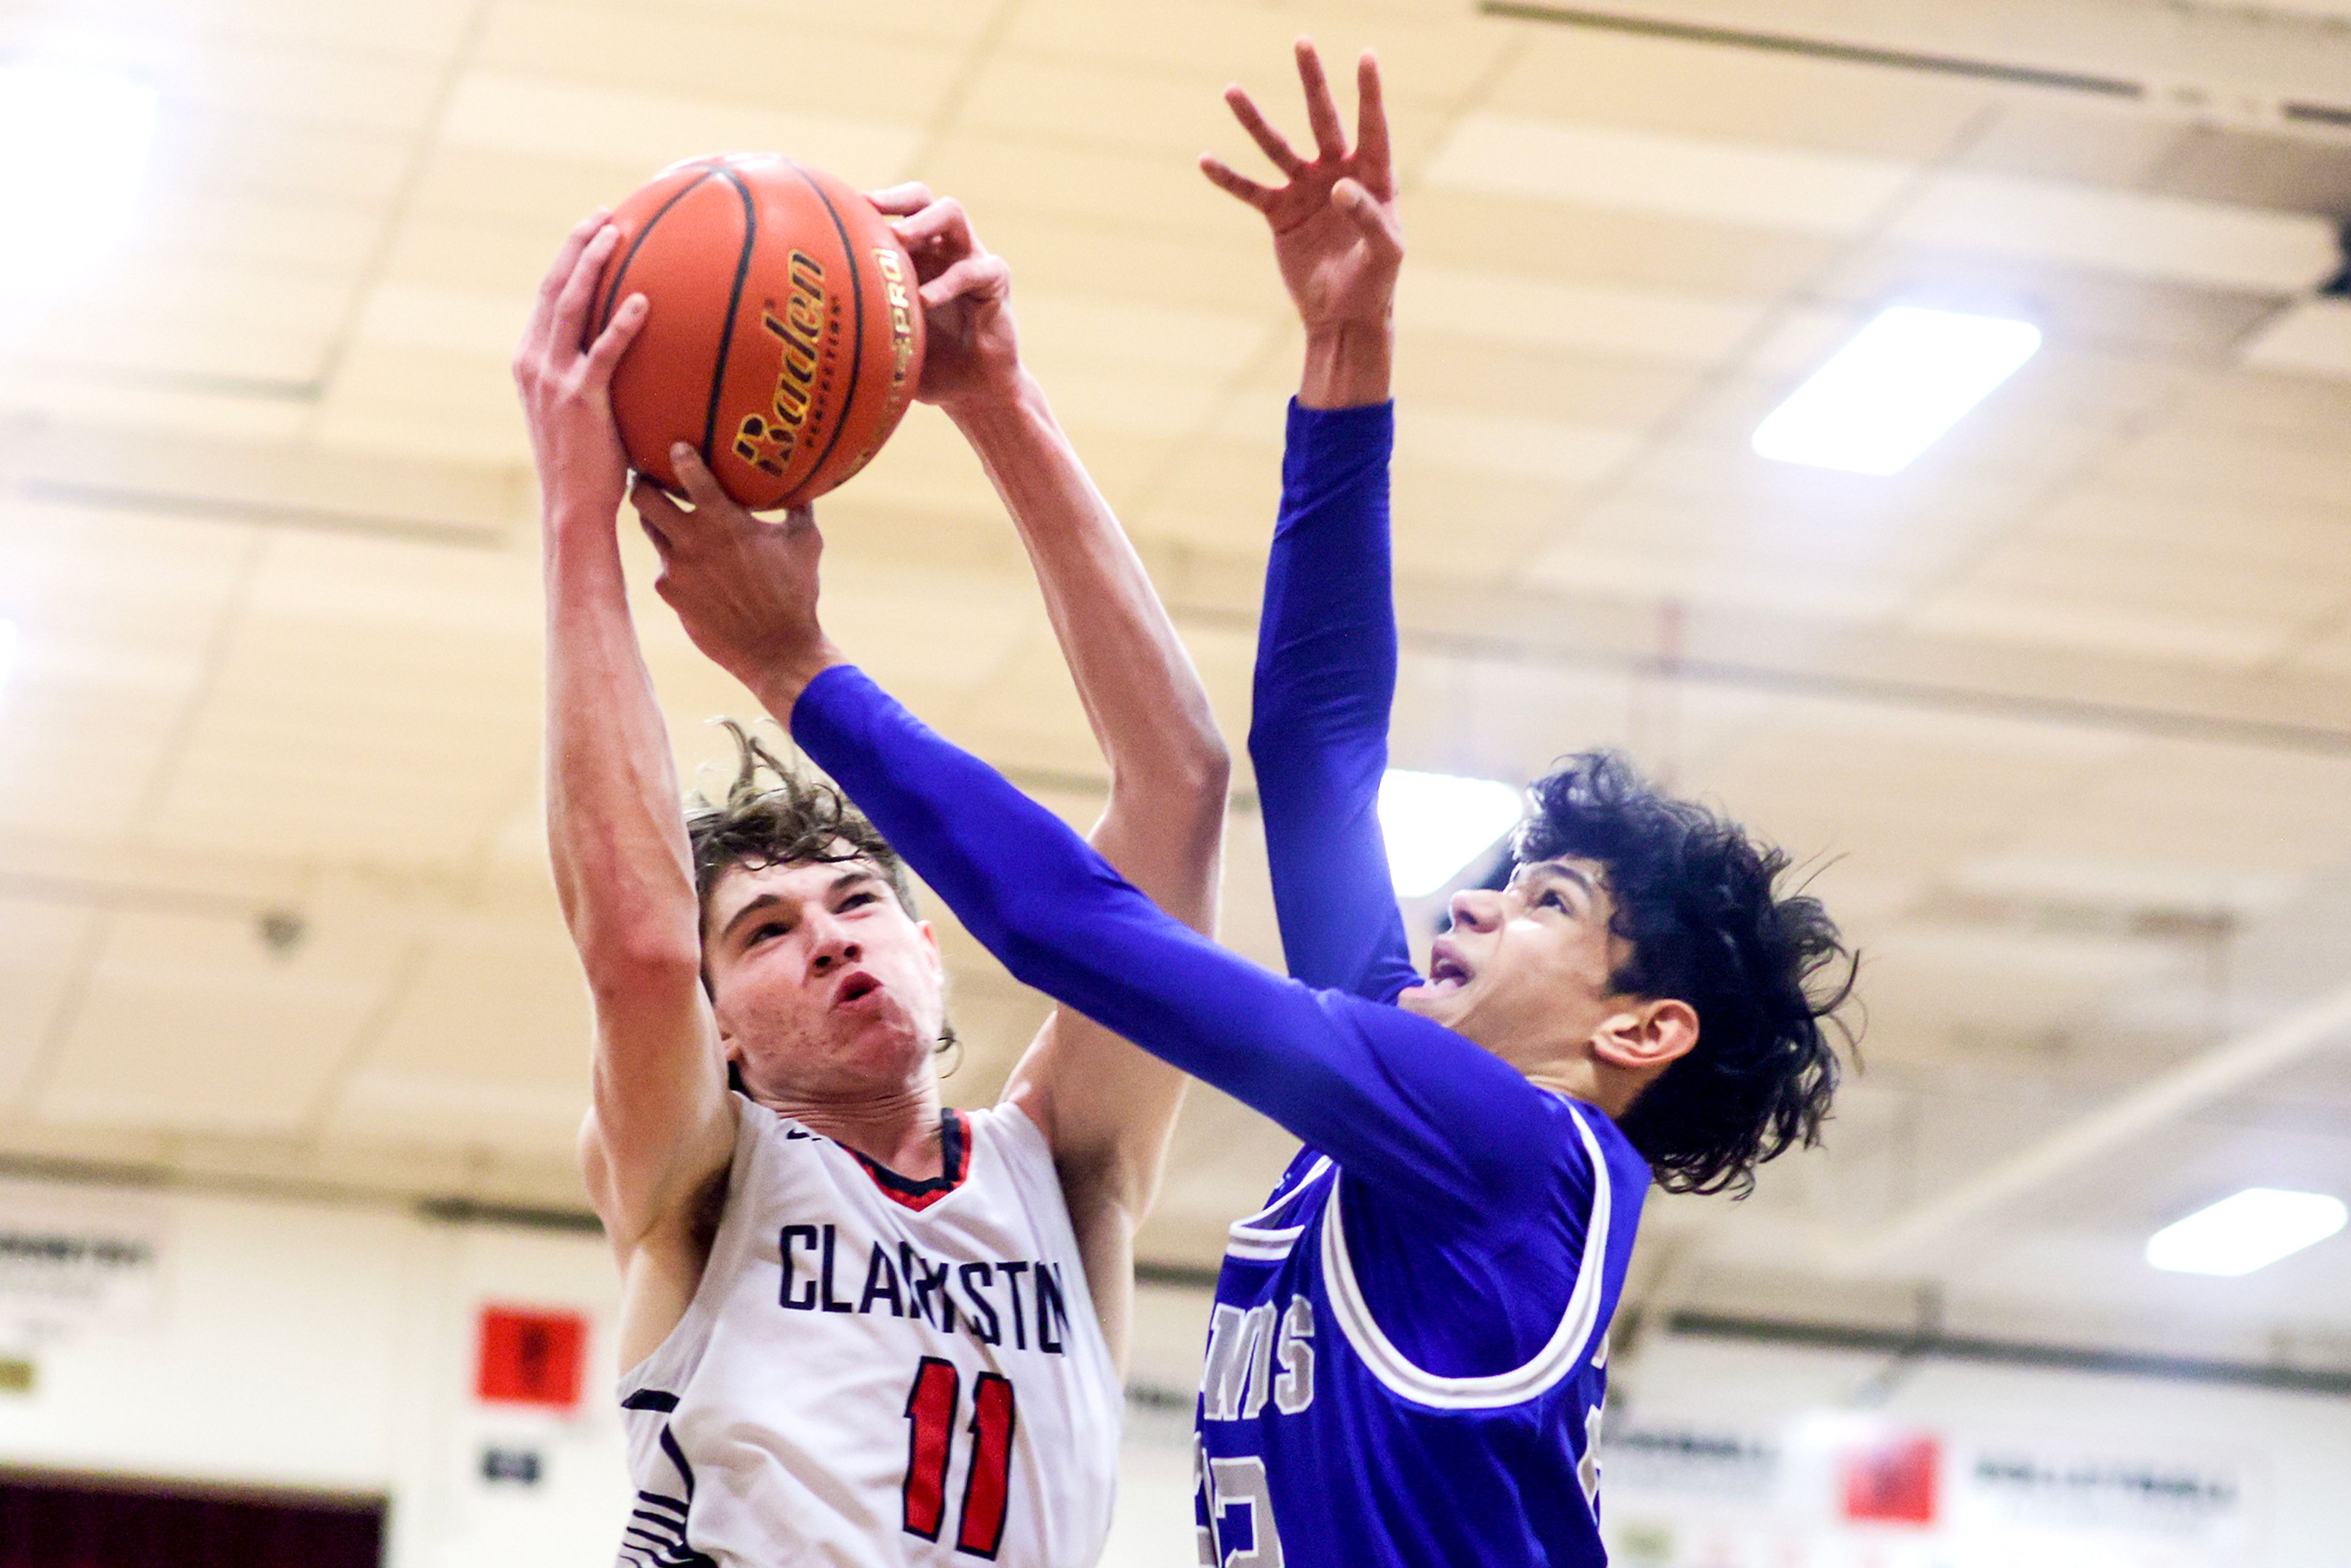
2209, 1076
2196, 59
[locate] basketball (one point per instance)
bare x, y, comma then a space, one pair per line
784, 340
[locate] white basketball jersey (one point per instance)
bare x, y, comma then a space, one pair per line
878, 1372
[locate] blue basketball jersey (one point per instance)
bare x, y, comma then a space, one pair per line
1321, 1442
1408, 1348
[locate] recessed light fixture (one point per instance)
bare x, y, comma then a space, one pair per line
1903, 381
1435, 823
74, 141
2251, 1230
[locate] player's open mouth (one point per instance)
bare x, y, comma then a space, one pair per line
856, 988
1446, 972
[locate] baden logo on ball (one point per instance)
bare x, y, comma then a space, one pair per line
783, 342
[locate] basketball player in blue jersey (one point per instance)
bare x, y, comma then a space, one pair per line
1408, 1348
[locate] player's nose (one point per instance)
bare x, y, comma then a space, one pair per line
833, 947
1476, 908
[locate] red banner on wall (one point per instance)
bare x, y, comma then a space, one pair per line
530, 1356
1892, 1481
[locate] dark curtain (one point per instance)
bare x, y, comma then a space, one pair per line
48, 1523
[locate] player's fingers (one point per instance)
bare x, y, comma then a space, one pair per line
1329, 139
567, 255
976, 276
899, 201
657, 513
1221, 175
615, 341
1373, 160
571, 323
693, 477
1270, 142
942, 220
1370, 221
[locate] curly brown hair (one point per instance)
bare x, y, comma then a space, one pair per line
790, 820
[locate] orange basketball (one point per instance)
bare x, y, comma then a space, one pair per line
784, 338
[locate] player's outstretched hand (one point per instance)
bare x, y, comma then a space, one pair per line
1335, 229
566, 387
744, 587
971, 353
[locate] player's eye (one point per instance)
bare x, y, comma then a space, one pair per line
859, 898
772, 928
1553, 898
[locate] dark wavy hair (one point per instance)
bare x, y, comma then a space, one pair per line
785, 819
1708, 923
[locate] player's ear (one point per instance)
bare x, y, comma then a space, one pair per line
1649, 1036
931, 944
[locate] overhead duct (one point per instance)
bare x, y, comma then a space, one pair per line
2225, 64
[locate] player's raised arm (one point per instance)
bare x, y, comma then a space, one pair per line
1326, 639
1106, 1107
1403, 1102
662, 1125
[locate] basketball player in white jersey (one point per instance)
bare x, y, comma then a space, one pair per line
857, 1329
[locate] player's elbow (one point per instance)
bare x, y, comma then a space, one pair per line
630, 961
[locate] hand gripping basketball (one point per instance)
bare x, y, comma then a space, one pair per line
744, 587
971, 350
567, 389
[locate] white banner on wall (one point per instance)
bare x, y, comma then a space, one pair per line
70, 1264
1846, 1489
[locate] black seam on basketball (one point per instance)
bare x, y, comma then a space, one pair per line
857, 322
613, 300
734, 302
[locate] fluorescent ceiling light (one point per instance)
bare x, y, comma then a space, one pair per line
74, 141
1883, 398
1436, 823
2249, 1231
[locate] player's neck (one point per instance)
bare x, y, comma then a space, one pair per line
898, 1131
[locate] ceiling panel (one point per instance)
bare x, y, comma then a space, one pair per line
1719, 181
558, 118
443, 642
2221, 245
45, 950
1661, 84
192, 1022
711, 60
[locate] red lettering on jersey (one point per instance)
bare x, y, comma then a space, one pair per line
930, 1431
985, 1493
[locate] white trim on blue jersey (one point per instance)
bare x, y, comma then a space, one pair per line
1263, 1244
1554, 1361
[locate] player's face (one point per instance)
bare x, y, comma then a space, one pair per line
1527, 969
824, 987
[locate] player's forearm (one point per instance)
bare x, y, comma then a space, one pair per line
1325, 680
1350, 365
1149, 712
614, 832
1108, 1107
1392, 1096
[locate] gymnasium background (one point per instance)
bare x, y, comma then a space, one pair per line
292, 1264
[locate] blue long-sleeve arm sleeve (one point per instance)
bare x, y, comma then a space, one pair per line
1326, 671
1415, 1110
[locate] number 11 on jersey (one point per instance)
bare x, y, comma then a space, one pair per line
932, 1404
